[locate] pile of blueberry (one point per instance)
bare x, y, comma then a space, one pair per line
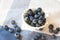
51, 30
16, 30
35, 18
40, 37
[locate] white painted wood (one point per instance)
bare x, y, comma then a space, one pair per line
4, 8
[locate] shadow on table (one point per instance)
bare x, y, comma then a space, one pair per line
26, 35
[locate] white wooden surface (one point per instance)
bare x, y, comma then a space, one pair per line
4, 8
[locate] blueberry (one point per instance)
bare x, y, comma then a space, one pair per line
18, 29
43, 14
15, 26
44, 21
35, 12
51, 26
37, 25
40, 17
43, 37
30, 12
29, 22
39, 13
26, 15
11, 30
13, 22
58, 29
31, 18
32, 24
6, 27
39, 9
36, 16
34, 21
55, 32
26, 19
17, 35
40, 21
41, 29
50, 30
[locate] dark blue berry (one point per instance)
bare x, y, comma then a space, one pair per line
55, 32
43, 14
39, 9
18, 29
32, 24
11, 30
44, 21
39, 13
41, 29
35, 12
30, 12
34, 21
40, 21
40, 17
51, 26
15, 26
17, 35
58, 29
6, 27
36, 16
50, 30
26, 15
13, 22
37, 25
26, 19
31, 18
